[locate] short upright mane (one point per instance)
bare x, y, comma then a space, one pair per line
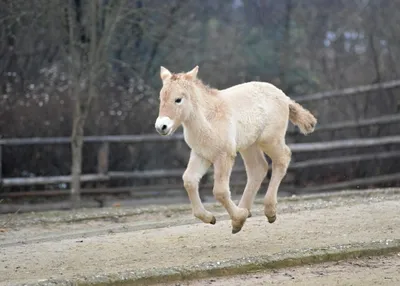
197, 81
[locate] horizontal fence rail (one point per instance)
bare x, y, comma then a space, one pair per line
365, 122
27, 181
8, 182
145, 138
341, 144
349, 91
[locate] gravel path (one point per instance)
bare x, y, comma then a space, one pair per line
48, 246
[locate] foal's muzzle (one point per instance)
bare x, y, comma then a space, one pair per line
164, 125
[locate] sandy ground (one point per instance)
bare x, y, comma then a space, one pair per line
56, 245
372, 271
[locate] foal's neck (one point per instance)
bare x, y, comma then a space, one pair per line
205, 103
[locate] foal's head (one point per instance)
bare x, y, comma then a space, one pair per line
176, 100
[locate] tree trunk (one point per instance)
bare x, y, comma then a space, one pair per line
76, 148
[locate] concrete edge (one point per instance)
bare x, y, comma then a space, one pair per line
236, 267
120, 213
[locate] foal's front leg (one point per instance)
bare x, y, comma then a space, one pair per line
195, 170
222, 171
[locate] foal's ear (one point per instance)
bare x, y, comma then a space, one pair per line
193, 73
164, 73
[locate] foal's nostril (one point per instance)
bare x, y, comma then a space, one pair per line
164, 127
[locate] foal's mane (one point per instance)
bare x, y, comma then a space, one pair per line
206, 88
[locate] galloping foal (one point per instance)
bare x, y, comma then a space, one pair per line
249, 118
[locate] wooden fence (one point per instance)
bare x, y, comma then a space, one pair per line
104, 174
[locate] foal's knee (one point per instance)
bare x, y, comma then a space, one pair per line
282, 162
190, 181
221, 194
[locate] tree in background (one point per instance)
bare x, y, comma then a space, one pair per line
90, 30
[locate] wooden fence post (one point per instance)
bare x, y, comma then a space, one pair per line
103, 158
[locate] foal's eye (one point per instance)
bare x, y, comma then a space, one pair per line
178, 100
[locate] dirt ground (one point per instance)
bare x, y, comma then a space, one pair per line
370, 271
91, 245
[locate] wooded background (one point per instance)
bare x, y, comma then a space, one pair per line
92, 68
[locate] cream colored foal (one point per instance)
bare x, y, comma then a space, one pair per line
249, 118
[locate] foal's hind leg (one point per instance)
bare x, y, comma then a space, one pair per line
256, 169
280, 155
195, 170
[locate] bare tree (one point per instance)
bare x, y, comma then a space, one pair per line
91, 27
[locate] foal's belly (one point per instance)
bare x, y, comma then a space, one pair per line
210, 146
248, 132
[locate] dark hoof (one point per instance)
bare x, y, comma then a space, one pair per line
213, 221
236, 230
250, 215
272, 219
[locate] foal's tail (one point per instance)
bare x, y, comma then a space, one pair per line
301, 117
